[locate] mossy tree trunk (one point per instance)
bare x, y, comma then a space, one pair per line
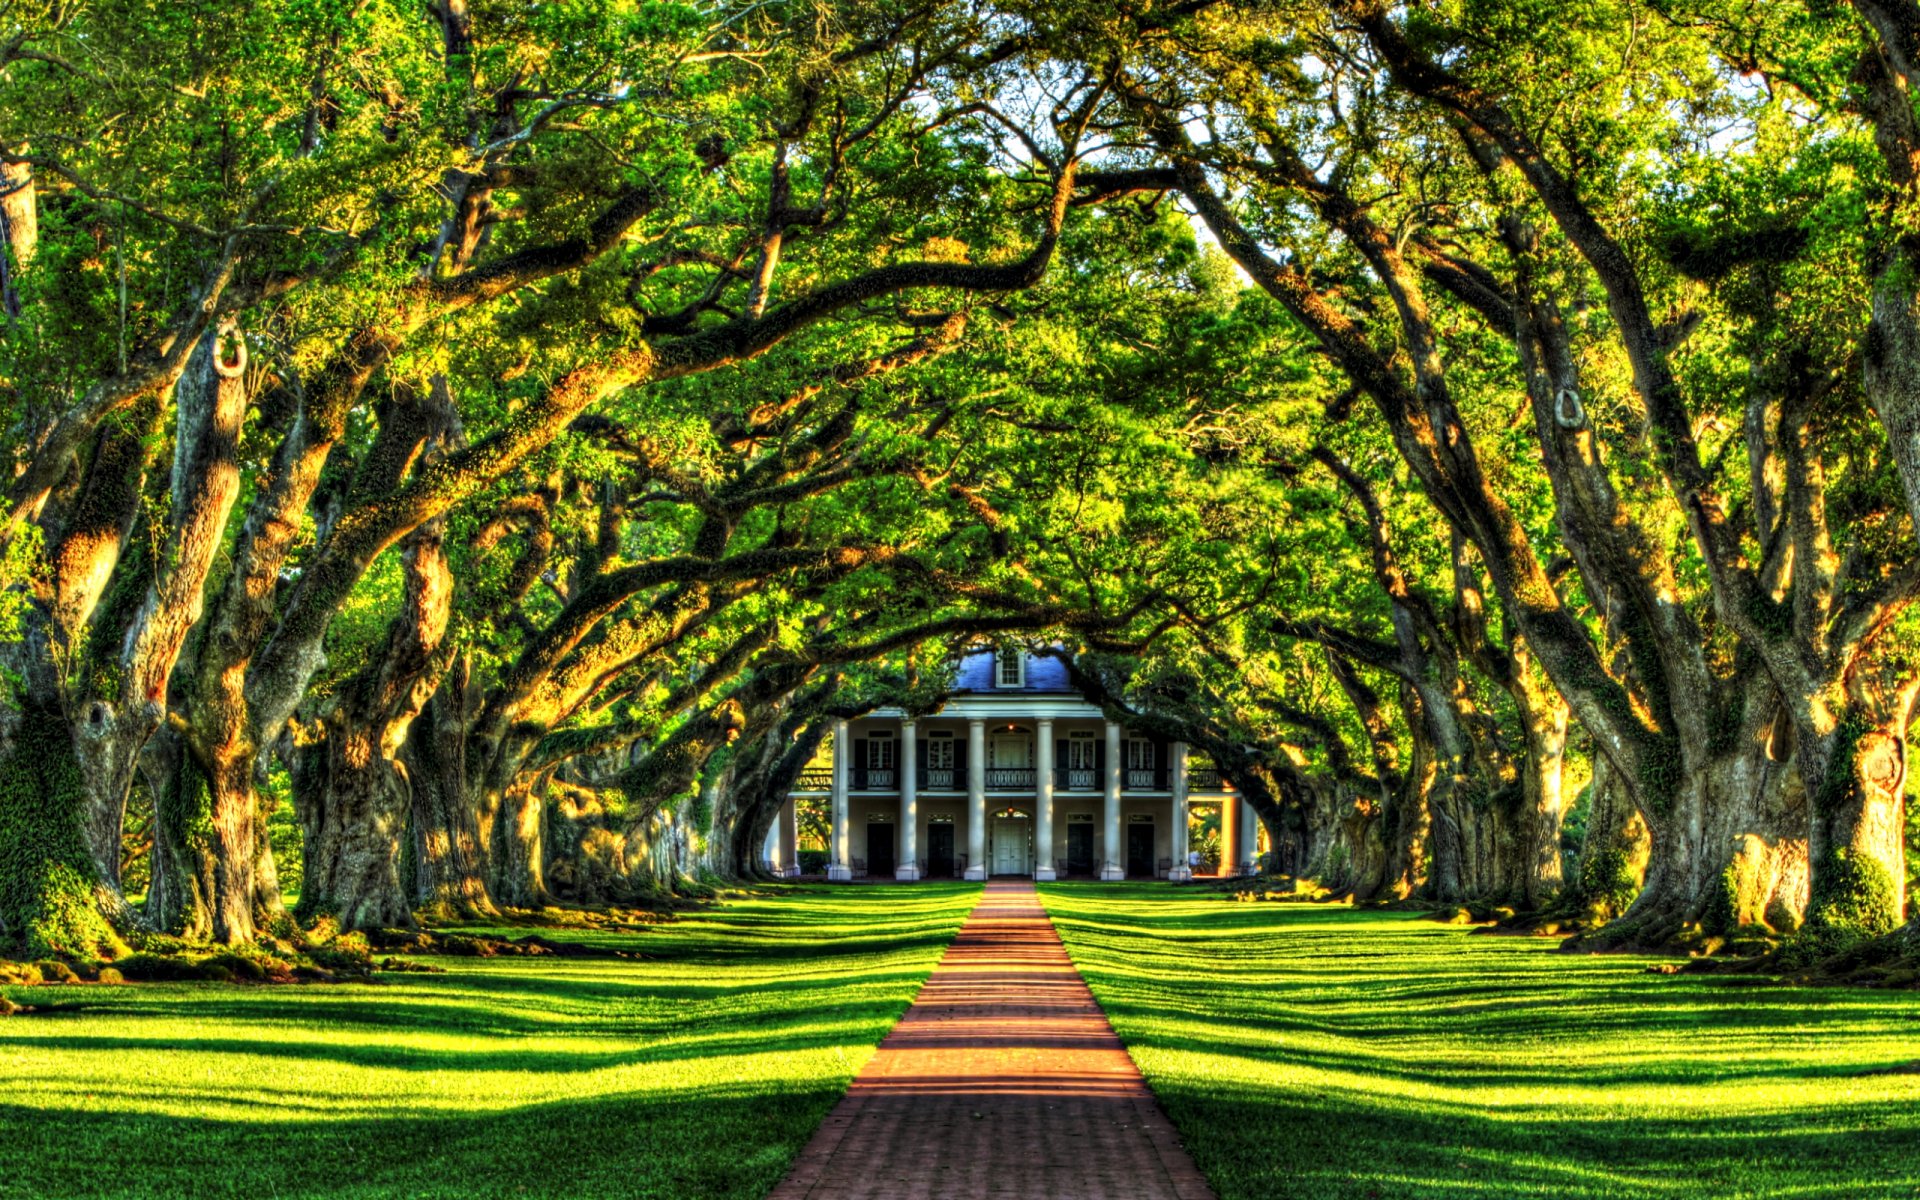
51, 901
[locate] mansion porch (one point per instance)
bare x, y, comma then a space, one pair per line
1013, 777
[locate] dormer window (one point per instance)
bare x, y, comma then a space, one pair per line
1010, 670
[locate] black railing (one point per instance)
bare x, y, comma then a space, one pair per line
1011, 779
814, 781
1207, 780
940, 779
1076, 779
875, 779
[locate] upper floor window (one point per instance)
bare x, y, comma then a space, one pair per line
940, 755
880, 751
1010, 670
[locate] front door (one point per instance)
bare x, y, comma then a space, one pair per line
1010, 846
1080, 848
880, 848
940, 851
1140, 851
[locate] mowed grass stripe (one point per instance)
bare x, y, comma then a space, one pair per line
1317, 1052
697, 1071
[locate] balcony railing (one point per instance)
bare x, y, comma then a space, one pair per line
1011, 779
1076, 779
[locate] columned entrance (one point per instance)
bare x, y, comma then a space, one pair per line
1012, 846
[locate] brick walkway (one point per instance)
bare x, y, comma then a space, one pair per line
1004, 1079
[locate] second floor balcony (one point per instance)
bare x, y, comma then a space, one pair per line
1083, 780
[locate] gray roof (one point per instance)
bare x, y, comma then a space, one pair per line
1044, 676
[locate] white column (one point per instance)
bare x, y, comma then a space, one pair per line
1229, 837
1181, 872
789, 839
1113, 856
1249, 840
909, 764
976, 799
839, 862
1043, 801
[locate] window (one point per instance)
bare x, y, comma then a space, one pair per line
1139, 754
1140, 772
1083, 772
1010, 670
1080, 751
880, 752
940, 751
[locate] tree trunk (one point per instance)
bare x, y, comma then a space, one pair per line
51, 895
210, 404
180, 894
351, 806
1857, 842
353, 800
1543, 806
1614, 857
449, 853
19, 232
1729, 850
520, 847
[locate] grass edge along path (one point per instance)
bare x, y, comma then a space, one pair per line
699, 1070
1315, 1052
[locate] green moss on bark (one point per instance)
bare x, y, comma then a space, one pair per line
1854, 893
1608, 885
47, 878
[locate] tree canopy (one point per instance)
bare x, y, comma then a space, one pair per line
1488, 431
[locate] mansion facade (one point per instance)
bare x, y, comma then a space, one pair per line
1014, 775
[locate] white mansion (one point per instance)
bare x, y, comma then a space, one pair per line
1015, 775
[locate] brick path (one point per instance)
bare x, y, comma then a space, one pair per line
1004, 1079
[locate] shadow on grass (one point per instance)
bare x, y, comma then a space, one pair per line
672, 1145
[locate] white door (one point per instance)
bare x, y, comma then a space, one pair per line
1010, 846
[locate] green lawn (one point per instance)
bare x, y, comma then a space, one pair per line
1317, 1052
699, 1071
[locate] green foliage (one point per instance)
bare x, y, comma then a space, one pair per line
1854, 898
1606, 881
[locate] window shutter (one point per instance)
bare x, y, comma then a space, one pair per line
1162, 779
860, 762
1061, 757
960, 757
1100, 759
920, 757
